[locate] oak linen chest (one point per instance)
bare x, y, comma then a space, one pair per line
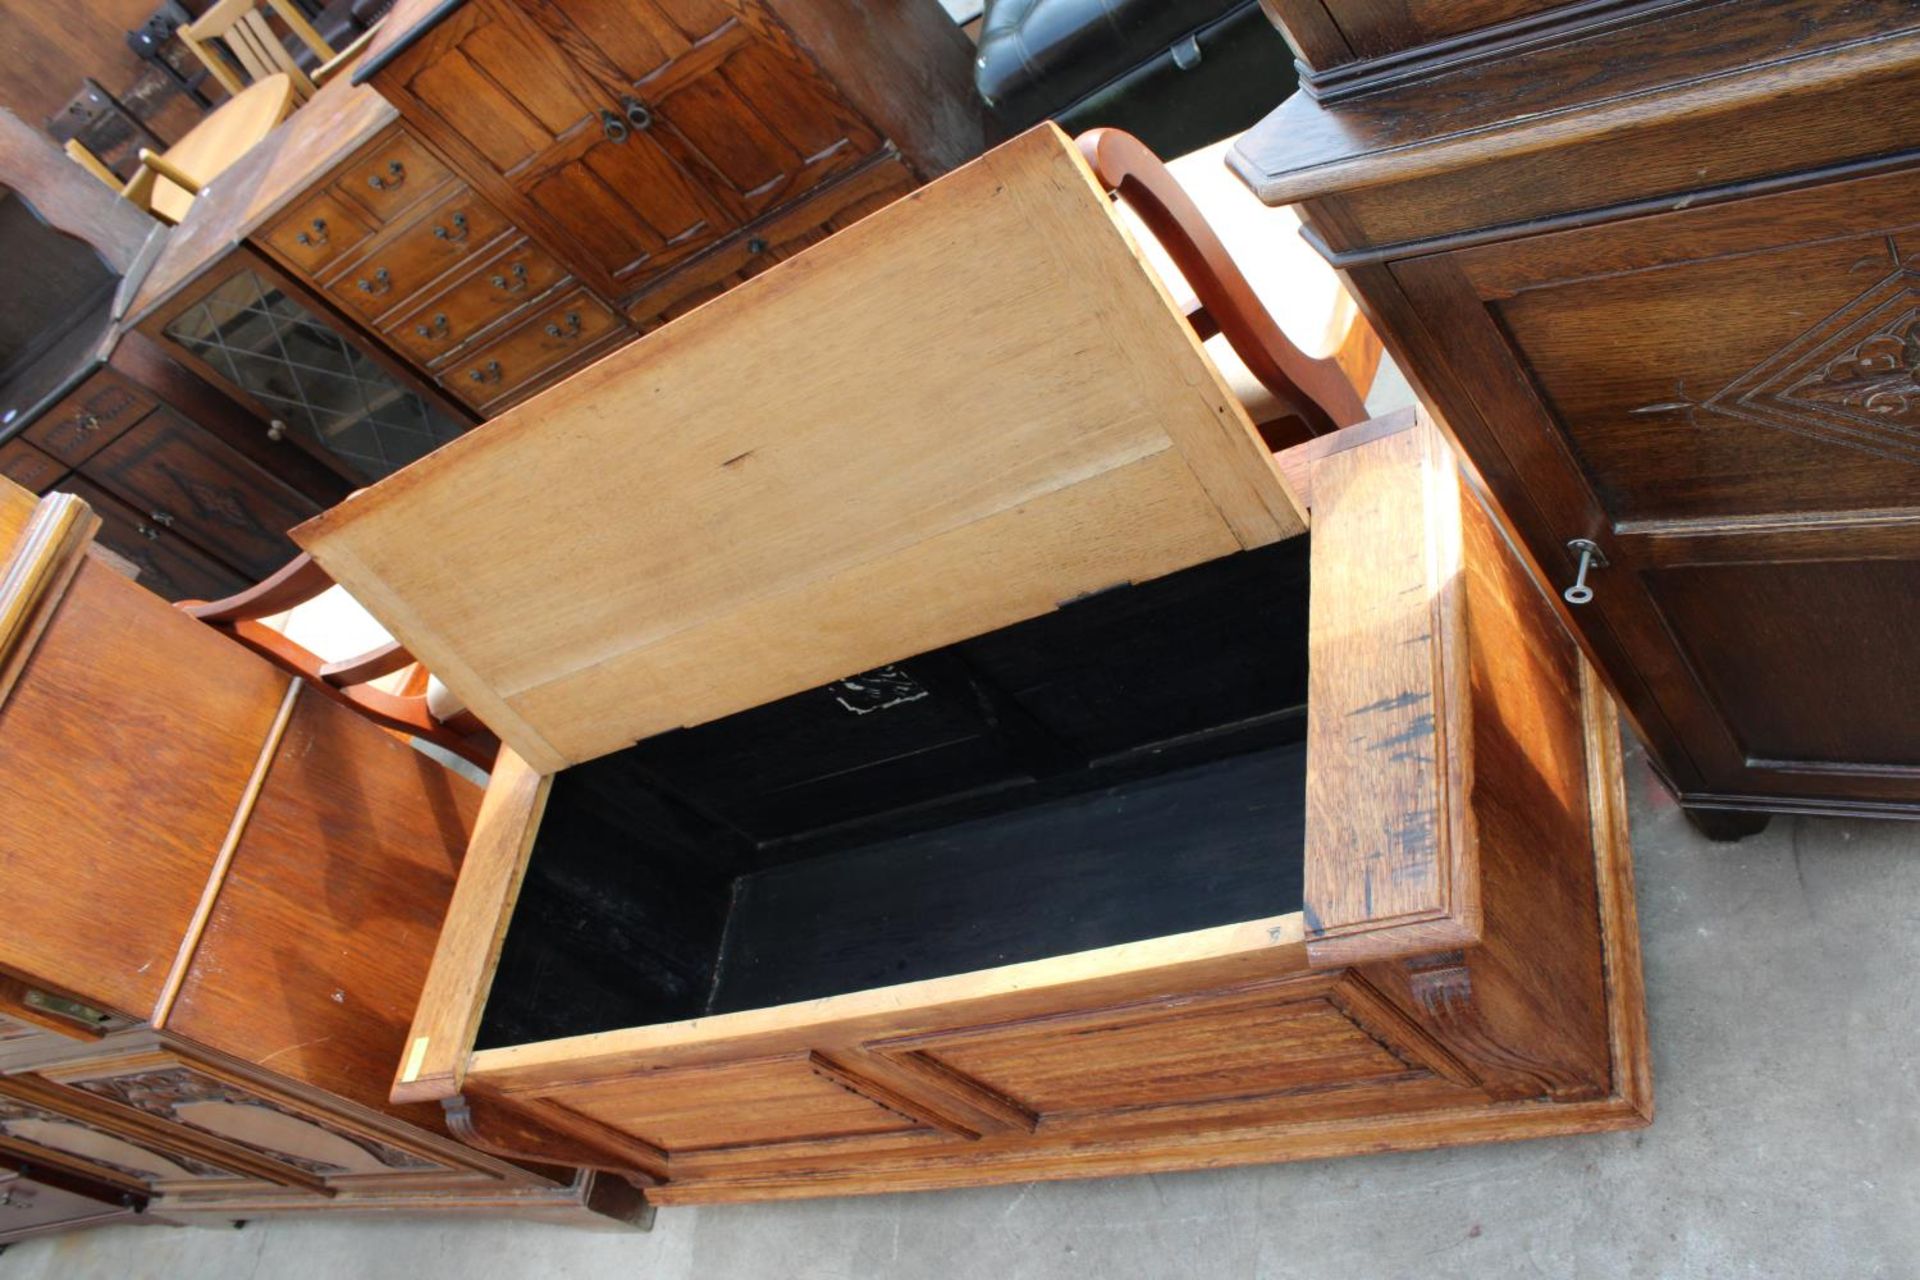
906, 788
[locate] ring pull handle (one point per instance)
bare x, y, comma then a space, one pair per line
276, 430
396, 174
161, 518
570, 332
147, 532
613, 126
318, 235
488, 372
437, 329
637, 113
457, 233
88, 423
1590, 558
381, 283
514, 280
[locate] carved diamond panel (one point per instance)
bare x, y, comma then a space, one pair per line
1851, 380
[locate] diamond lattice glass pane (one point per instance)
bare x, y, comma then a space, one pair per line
267, 344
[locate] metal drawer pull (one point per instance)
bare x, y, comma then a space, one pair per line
489, 372
613, 126
381, 283
1590, 558
458, 233
151, 535
515, 279
637, 113
319, 235
161, 518
88, 422
276, 430
571, 331
396, 174
438, 329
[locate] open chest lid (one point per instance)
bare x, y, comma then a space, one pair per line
970, 407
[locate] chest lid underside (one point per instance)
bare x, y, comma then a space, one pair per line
972, 407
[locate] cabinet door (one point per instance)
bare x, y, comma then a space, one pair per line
1724, 399
165, 563
183, 479
518, 99
722, 87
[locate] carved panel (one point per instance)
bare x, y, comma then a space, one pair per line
189, 1097
25, 1122
1852, 380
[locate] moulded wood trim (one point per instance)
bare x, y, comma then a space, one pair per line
1136, 969
447, 1018
47, 539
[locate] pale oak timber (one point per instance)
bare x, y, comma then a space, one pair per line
1104, 449
1256, 1040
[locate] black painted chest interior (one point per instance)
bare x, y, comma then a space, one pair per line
1129, 766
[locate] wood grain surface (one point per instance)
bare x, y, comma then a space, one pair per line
972, 406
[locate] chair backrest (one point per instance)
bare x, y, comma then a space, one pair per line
417, 708
105, 126
93, 164
254, 49
1315, 393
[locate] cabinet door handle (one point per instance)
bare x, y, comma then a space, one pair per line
514, 280
438, 329
488, 372
570, 332
276, 430
1590, 558
396, 174
161, 518
458, 231
637, 113
151, 535
319, 235
613, 126
381, 283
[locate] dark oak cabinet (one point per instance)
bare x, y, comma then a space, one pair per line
1657, 273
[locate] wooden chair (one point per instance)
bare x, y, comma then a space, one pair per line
1290, 394
420, 707
253, 45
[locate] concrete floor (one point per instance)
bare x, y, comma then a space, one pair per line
1786, 1033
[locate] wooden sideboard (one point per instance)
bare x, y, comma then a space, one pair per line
221, 892
1156, 830
1653, 267
511, 190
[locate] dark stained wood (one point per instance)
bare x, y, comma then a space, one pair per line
181, 477
184, 703
91, 417
364, 823
167, 564
29, 467
1685, 343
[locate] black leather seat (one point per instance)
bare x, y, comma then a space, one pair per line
1176, 73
